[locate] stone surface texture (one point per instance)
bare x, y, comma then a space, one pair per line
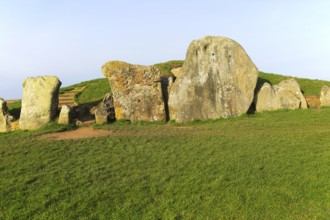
137, 91
104, 112
176, 71
217, 80
5, 117
39, 101
286, 95
325, 96
292, 86
65, 115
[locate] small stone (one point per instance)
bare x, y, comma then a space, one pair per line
5, 117
104, 112
65, 115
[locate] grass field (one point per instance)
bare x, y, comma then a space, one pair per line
273, 165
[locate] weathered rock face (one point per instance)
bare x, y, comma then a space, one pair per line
136, 90
39, 101
266, 99
217, 80
292, 86
325, 96
5, 117
176, 71
285, 95
104, 112
65, 115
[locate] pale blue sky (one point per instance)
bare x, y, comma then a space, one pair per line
74, 38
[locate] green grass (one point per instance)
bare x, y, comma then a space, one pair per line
308, 86
95, 90
273, 165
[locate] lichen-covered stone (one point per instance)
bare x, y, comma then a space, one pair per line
286, 95
136, 90
217, 80
5, 117
65, 115
325, 96
39, 101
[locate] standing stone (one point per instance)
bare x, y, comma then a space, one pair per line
217, 80
5, 117
65, 115
293, 86
286, 99
325, 96
286, 95
137, 91
39, 102
266, 99
104, 112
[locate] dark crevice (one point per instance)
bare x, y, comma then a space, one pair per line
164, 85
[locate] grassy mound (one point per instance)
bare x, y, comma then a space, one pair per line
94, 90
273, 165
308, 86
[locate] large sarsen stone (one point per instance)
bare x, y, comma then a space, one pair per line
137, 91
217, 80
39, 101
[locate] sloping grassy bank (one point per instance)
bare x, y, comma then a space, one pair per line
273, 165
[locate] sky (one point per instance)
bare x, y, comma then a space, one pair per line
72, 39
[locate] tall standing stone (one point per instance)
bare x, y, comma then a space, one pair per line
5, 117
325, 96
137, 91
217, 80
39, 101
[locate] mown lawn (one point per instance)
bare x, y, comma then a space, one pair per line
266, 166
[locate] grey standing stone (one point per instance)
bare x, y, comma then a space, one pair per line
217, 80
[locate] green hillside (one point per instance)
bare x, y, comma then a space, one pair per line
308, 86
